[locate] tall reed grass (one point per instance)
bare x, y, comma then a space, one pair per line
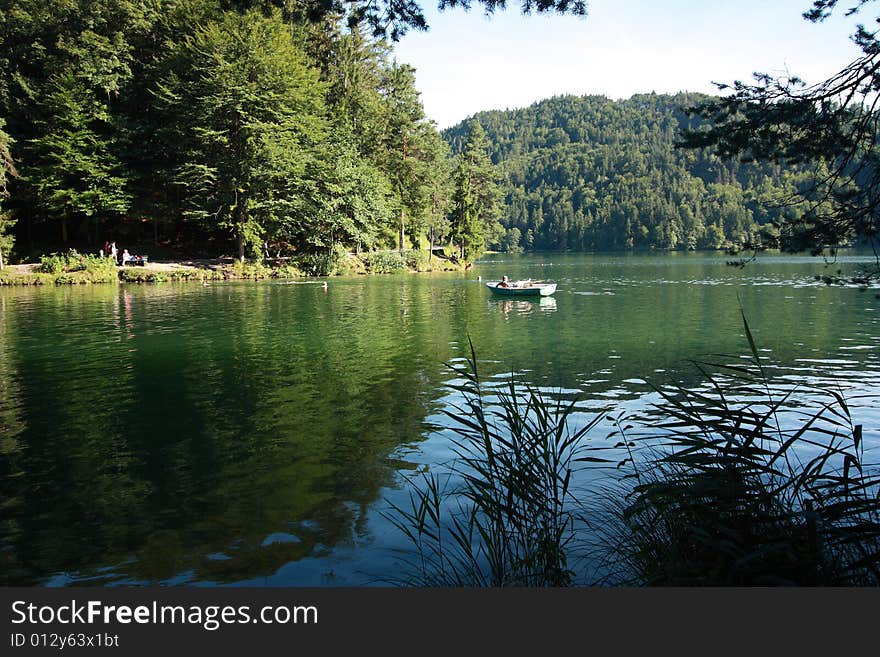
746, 480
505, 515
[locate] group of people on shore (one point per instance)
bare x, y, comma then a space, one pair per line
110, 251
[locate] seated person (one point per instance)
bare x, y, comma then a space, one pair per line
505, 282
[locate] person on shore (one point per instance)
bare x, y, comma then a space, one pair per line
113, 252
126, 256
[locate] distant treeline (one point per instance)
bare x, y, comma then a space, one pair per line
589, 173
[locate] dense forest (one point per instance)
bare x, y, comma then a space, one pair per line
215, 127
590, 173
262, 130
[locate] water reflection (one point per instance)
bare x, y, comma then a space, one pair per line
248, 432
523, 306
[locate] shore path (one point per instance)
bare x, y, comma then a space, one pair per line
164, 266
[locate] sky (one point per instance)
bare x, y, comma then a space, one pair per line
467, 62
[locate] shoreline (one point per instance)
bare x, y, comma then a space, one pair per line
202, 270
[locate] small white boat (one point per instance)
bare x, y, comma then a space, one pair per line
522, 288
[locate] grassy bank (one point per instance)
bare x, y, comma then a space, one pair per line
73, 268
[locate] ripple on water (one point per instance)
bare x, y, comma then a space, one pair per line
251, 432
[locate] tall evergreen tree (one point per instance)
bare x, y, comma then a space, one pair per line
439, 182
476, 200
355, 71
404, 145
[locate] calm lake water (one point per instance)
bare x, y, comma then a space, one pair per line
254, 432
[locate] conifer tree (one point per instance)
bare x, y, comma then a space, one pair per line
404, 145
439, 184
476, 200
832, 125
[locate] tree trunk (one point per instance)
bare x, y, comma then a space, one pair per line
1, 259
240, 239
401, 237
402, 210
431, 248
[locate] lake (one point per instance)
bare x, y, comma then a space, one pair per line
253, 432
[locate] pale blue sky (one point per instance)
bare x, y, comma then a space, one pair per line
467, 62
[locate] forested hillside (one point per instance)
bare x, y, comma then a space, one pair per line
589, 173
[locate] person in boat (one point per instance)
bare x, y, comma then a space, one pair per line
505, 282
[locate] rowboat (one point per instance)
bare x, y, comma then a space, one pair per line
522, 288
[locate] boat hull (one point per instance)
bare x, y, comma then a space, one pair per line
528, 290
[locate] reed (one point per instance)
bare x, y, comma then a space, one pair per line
742, 481
505, 514
745, 481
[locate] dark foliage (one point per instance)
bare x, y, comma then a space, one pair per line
394, 18
830, 128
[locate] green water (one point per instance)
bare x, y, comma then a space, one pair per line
253, 432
